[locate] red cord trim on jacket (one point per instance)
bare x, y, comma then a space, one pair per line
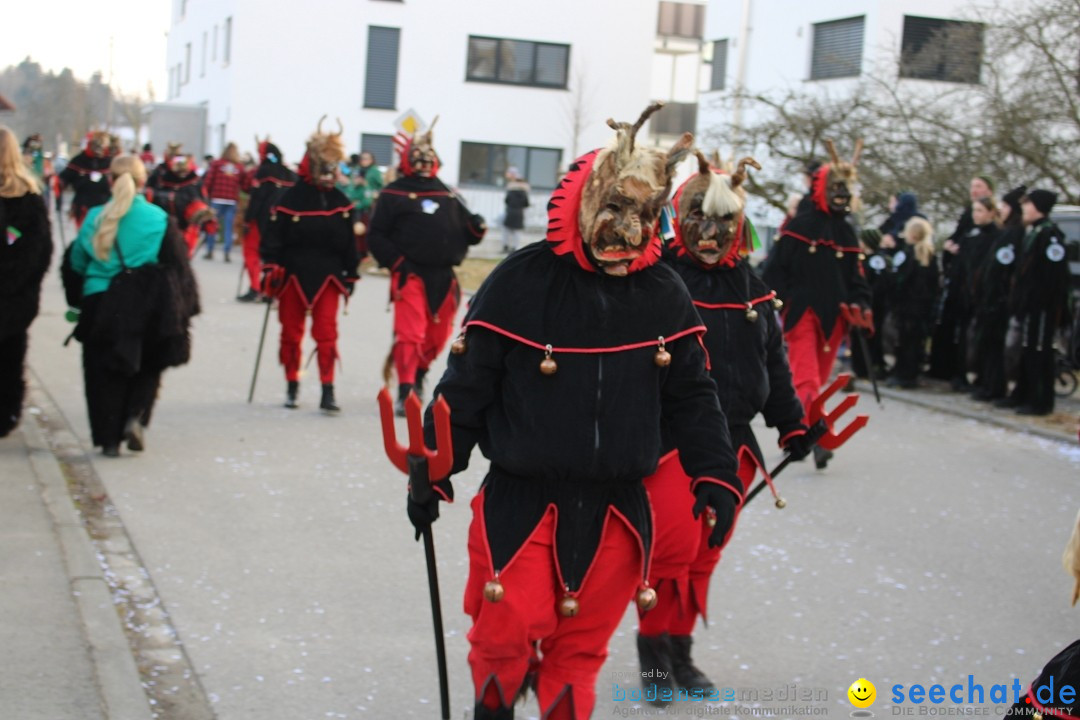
1044, 709
734, 306
616, 348
307, 213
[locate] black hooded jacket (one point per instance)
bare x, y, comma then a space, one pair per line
87, 175
25, 251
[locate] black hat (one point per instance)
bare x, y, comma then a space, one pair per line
871, 237
1013, 198
1043, 200
988, 180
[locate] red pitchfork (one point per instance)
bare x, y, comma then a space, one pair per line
439, 461
821, 428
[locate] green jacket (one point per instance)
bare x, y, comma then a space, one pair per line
139, 235
363, 195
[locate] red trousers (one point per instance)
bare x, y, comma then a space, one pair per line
192, 236
682, 561
292, 311
524, 632
419, 336
252, 263
811, 355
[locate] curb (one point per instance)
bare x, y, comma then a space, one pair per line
944, 405
118, 677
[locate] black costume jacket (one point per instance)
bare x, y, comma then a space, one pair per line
178, 195
748, 360
25, 251
816, 263
310, 234
972, 258
269, 183
87, 175
420, 227
994, 281
914, 291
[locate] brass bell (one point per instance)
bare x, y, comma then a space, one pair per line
412, 196
710, 518
273, 217
548, 366
345, 214
569, 606
781, 503
813, 248
296, 218
777, 303
751, 313
1037, 716
493, 590
839, 254
662, 357
862, 256
458, 346
827, 348
646, 599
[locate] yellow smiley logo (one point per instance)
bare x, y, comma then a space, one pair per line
862, 693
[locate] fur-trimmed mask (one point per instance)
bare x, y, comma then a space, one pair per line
418, 156
623, 197
710, 207
100, 143
181, 165
833, 186
325, 151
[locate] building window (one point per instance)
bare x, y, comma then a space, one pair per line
678, 19
517, 62
674, 118
484, 164
946, 50
838, 49
380, 146
226, 52
187, 63
380, 78
718, 77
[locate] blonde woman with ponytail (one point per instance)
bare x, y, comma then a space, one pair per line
914, 294
25, 251
138, 299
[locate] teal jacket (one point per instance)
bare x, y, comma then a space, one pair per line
139, 235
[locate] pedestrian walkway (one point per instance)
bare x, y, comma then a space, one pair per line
64, 655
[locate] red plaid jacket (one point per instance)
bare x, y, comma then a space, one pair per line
222, 180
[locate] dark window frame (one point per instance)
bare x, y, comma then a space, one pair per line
677, 12
370, 96
365, 146
953, 65
536, 45
815, 67
491, 172
718, 81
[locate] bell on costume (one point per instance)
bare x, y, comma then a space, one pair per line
751, 313
494, 590
569, 606
662, 357
458, 346
548, 366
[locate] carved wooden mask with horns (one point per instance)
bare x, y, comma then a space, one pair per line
840, 183
624, 194
711, 207
422, 157
325, 151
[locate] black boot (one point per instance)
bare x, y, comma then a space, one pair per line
418, 386
133, 434
654, 652
687, 675
402, 393
327, 403
821, 457
291, 392
483, 713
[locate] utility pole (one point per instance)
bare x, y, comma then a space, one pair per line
740, 77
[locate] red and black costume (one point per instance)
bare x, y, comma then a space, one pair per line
176, 190
420, 230
749, 366
816, 265
562, 376
310, 249
88, 175
268, 183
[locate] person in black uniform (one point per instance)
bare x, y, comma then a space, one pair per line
269, 181
88, 173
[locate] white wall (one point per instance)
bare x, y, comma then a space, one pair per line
288, 70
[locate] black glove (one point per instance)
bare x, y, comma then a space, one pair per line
798, 446
723, 502
422, 503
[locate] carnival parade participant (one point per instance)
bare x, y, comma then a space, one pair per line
176, 190
310, 251
815, 267
24, 258
87, 173
420, 231
270, 179
138, 298
749, 365
572, 352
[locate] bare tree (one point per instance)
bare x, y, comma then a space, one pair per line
577, 108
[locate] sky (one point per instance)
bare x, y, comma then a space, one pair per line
76, 33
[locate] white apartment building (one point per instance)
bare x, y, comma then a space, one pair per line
509, 80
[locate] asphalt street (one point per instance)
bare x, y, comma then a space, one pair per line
276, 544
